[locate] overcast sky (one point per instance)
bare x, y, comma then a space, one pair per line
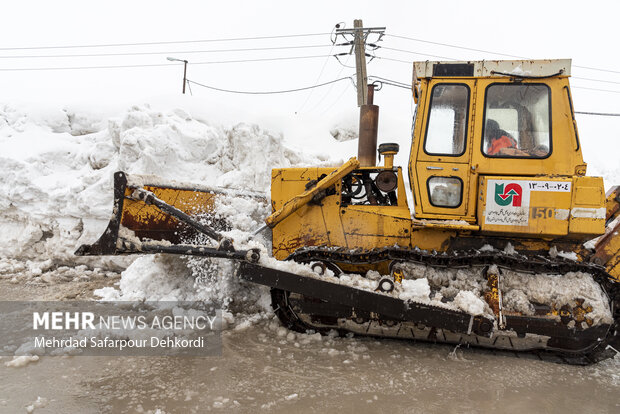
587, 32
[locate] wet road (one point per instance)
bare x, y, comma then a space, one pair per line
267, 369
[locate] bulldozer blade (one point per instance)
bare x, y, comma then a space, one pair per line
607, 251
153, 216
607, 248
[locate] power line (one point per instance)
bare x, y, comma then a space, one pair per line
390, 80
322, 68
449, 58
165, 43
595, 80
162, 53
344, 90
260, 60
163, 64
189, 86
88, 67
331, 87
594, 89
417, 53
443, 57
456, 47
391, 84
394, 60
598, 69
268, 92
597, 113
492, 52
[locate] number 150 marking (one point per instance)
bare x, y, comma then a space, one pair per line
542, 212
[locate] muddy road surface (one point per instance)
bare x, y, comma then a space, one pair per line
264, 368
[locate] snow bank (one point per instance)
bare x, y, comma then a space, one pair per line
56, 169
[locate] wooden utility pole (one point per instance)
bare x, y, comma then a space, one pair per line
360, 62
369, 113
360, 34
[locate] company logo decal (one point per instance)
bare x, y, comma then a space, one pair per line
508, 195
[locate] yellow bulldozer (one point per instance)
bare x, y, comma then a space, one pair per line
509, 244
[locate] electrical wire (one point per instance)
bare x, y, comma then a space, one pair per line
394, 60
165, 43
597, 113
390, 80
454, 46
328, 91
268, 92
594, 89
189, 87
87, 67
491, 52
322, 68
448, 58
597, 69
595, 80
381, 83
162, 64
416, 53
344, 65
161, 53
329, 107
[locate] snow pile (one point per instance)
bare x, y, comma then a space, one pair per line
521, 289
342, 134
464, 290
56, 170
56, 173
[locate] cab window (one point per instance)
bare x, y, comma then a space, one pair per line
517, 121
445, 191
447, 120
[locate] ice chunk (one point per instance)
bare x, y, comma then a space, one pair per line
467, 301
21, 361
417, 289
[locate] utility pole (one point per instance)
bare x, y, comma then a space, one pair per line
360, 36
369, 113
171, 59
360, 63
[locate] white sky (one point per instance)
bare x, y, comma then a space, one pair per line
585, 32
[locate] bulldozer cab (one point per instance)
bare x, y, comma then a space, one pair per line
497, 130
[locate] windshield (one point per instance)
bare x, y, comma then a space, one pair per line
517, 121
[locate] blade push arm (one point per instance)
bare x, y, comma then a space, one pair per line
304, 198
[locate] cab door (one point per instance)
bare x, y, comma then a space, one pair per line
442, 163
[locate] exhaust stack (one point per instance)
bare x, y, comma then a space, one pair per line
369, 125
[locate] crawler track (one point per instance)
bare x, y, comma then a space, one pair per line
548, 339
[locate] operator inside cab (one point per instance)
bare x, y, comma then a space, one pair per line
501, 143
